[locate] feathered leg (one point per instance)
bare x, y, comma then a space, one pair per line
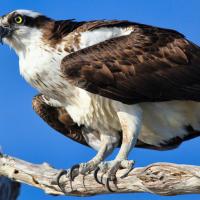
105, 149
130, 120
107, 144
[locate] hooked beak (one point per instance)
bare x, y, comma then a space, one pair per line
4, 31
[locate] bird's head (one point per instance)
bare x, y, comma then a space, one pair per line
21, 27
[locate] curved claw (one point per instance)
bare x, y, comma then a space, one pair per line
107, 185
96, 176
110, 169
126, 173
62, 172
71, 171
129, 168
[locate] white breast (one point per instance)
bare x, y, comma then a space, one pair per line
94, 111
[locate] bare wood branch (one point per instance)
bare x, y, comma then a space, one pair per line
157, 178
9, 190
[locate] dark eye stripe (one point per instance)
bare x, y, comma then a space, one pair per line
30, 21
35, 22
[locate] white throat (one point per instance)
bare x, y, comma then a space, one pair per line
25, 41
37, 59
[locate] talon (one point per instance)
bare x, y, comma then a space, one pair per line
129, 169
60, 174
126, 173
111, 176
110, 169
74, 167
107, 185
96, 176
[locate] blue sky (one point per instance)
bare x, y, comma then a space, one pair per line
23, 134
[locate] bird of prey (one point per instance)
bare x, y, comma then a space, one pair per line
109, 84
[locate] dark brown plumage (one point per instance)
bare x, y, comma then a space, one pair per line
151, 64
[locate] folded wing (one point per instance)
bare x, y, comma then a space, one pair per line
149, 65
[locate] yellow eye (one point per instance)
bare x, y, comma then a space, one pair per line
18, 19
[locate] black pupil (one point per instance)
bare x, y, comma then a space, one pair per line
18, 19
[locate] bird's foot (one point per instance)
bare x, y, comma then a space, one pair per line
109, 170
82, 168
74, 171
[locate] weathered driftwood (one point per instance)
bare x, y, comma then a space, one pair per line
157, 178
9, 190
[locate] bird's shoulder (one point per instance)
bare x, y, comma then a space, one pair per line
72, 36
88, 33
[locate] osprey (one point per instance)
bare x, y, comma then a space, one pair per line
109, 84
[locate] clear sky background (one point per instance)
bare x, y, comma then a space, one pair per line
24, 135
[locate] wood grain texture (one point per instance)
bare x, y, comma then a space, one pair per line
158, 178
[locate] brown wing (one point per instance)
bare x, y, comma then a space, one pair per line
59, 119
151, 64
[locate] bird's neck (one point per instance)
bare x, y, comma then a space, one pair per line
36, 59
27, 44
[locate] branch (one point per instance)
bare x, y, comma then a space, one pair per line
157, 178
